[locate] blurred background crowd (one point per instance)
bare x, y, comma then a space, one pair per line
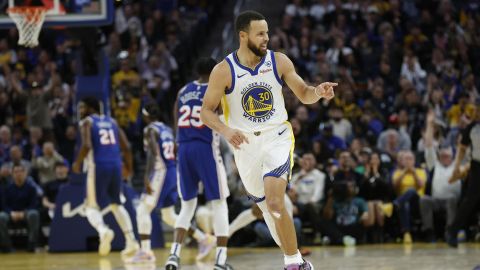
367, 163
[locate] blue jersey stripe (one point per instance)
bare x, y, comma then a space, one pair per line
232, 73
272, 55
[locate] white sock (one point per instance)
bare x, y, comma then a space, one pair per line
176, 248
198, 235
242, 220
146, 245
221, 255
293, 259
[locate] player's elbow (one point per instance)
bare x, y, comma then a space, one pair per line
204, 115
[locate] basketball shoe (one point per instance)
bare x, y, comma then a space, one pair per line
173, 262
205, 246
106, 238
131, 248
222, 267
306, 265
142, 257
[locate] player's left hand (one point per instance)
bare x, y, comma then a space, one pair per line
325, 90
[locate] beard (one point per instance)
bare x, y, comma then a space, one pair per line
256, 50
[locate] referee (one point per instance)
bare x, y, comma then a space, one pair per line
470, 138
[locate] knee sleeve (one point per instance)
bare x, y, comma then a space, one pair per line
186, 214
220, 218
144, 221
270, 222
169, 216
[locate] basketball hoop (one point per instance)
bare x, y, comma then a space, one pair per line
29, 21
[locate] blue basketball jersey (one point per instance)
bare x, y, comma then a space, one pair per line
165, 141
190, 127
105, 139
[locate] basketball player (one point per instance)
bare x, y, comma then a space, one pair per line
199, 160
248, 84
160, 185
103, 144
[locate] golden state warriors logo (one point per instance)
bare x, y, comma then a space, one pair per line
257, 102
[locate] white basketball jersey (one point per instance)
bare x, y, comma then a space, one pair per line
255, 100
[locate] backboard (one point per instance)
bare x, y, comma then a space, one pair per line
72, 13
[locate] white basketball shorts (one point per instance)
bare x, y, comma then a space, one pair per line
268, 153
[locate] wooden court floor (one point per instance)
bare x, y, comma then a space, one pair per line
377, 257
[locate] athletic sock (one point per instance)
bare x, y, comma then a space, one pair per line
176, 248
146, 245
221, 255
293, 259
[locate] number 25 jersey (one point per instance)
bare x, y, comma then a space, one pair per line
254, 101
190, 127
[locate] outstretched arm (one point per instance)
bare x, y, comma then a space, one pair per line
430, 155
220, 79
305, 93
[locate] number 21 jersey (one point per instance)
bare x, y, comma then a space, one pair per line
105, 139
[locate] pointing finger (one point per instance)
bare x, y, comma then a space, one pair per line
331, 84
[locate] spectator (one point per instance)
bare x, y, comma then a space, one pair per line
391, 141
126, 76
462, 108
346, 171
16, 157
376, 190
441, 195
38, 113
342, 128
328, 139
45, 164
20, 206
307, 189
51, 188
34, 146
348, 213
67, 143
409, 186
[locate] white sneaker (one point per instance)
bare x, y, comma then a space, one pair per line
349, 241
131, 248
205, 246
142, 257
105, 242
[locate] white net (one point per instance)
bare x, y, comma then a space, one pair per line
29, 21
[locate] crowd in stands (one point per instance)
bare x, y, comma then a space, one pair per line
371, 166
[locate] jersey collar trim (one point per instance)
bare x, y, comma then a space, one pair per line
251, 71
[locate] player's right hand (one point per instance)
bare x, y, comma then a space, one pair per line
235, 137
